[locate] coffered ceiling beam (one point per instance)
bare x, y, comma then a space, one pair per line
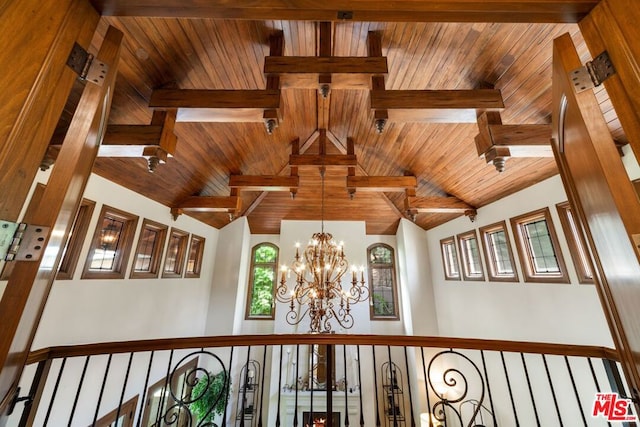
497, 142
324, 65
381, 183
340, 10
263, 182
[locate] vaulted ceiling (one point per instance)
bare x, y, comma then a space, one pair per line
210, 53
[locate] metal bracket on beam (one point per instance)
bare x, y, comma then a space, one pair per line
86, 66
593, 73
22, 242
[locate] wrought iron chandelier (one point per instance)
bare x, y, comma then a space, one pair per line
318, 290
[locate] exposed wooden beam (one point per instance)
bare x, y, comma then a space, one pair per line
155, 142
271, 117
374, 49
223, 98
339, 10
381, 183
338, 81
436, 99
350, 149
436, 204
323, 160
264, 182
301, 149
324, 65
209, 204
496, 142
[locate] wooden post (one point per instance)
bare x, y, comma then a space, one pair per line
29, 284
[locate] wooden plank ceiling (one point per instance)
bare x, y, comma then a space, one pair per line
183, 53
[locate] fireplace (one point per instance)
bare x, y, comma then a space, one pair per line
319, 419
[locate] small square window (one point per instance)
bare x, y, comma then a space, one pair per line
576, 242
497, 253
538, 248
146, 263
470, 256
111, 245
450, 259
176, 253
194, 261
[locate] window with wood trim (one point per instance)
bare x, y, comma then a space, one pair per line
538, 248
194, 261
450, 259
470, 256
176, 253
146, 262
111, 245
262, 282
77, 235
577, 244
497, 253
382, 282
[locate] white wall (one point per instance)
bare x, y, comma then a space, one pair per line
82, 311
231, 273
416, 285
562, 313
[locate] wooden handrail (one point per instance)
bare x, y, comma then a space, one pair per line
289, 339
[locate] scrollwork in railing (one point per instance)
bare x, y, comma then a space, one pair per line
197, 394
452, 387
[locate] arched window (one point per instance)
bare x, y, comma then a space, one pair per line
262, 283
382, 282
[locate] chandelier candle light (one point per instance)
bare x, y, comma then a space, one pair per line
318, 291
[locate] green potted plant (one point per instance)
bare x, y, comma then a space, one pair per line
210, 401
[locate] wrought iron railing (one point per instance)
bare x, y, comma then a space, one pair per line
319, 380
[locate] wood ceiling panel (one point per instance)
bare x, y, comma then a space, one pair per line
230, 54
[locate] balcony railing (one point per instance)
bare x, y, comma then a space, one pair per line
321, 380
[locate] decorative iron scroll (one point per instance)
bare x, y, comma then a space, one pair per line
452, 387
192, 405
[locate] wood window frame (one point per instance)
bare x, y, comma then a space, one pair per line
123, 250
576, 242
126, 412
156, 252
394, 288
162, 385
194, 272
489, 256
248, 315
447, 262
77, 237
462, 239
524, 251
181, 254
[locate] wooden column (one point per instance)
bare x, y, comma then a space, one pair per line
34, 85
605, 204
29, 284
612, 26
